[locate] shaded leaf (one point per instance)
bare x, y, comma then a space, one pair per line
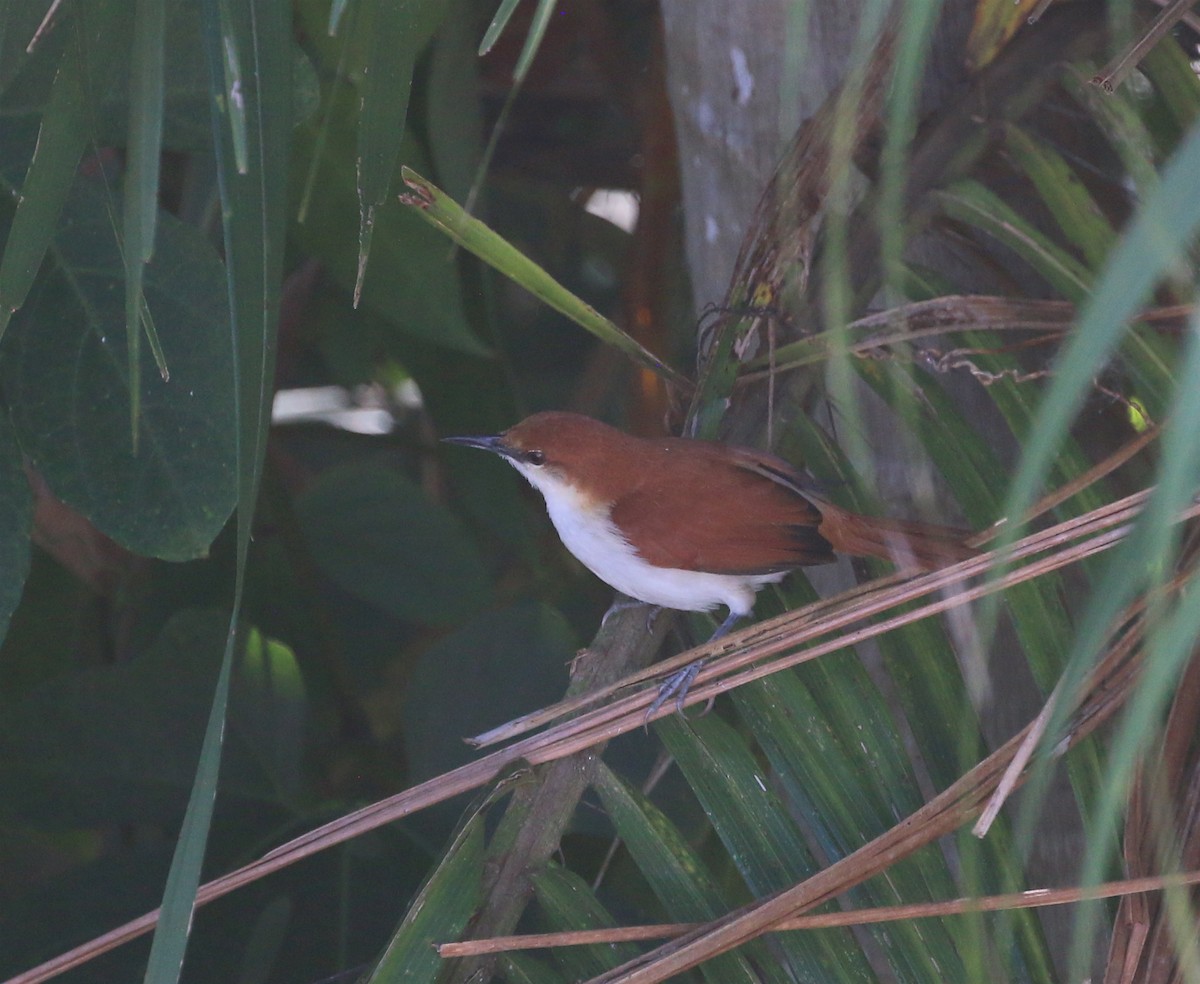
975, 205
570, 904
761, 838
413, 280
378, 535
497, 666
143, 149
64, 367
16, 520
65, 128
118, 744
438, 913
681, 881
396, 33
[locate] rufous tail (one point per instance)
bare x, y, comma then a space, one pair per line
905, 543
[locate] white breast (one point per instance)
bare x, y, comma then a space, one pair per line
585, 528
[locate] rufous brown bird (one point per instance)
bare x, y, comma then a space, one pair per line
690, 524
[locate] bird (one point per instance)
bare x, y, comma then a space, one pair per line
693, 525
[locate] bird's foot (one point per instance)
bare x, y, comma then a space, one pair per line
676, 685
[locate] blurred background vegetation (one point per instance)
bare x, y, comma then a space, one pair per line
904, 243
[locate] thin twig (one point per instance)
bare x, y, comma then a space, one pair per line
1033, 898
1117, 70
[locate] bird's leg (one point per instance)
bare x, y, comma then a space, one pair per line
623, 602
679, 682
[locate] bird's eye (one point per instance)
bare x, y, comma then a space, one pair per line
535, 457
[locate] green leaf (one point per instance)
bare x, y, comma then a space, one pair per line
439, 210
975, 205
570, 904
65, 372
397, 32
116, 745
850, 792
412, 279
1059, 188
63, 135
503, 14
454, 116
379, 537
497, 666
143, 153
439, 913
679, 878
16, 521
1175, 82
761, 838
251, 130
1162, 226
521, 969
533, 40
1117, 116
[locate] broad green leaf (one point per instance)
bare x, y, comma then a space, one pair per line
64, 370
115, 745
19, 20
16, 521
397, 32
499, 665
412, 279
61, 139
684, 886
107, 31
438, 913
380, 537
454, 118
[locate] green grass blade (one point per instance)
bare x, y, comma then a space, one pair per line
679, 877
499, 22
175, 916
1078, 216
763, 841
254, 221
441, 211
438, 913
61, 140
533, 40
1165, 223
1172, 641
396, 33
975, 205
143, 151
570, 905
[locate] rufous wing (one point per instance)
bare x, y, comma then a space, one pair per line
723, 515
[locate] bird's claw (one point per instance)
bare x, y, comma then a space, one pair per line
676, 685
